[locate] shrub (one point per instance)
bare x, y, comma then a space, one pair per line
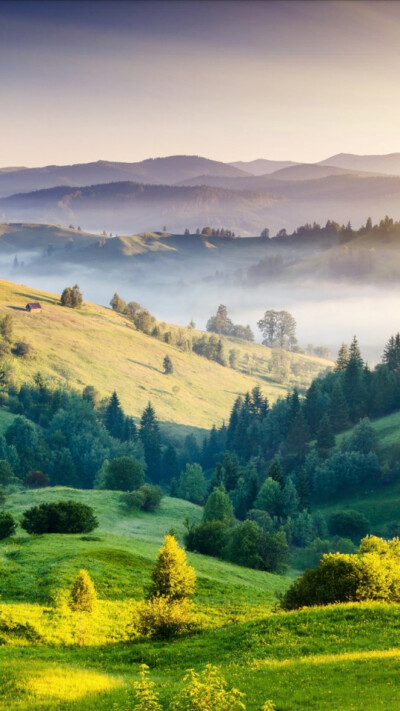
60, 517
207, 538
349, 524
7, 525
146, 698
172, 577
83, 594
124, 474
147, 498
371, 574
133, 500
152, 496
207, 690
22, 349
36, 480
163, 618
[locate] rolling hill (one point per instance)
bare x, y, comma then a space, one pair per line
166, 171
312, 659
96, 346
386, 164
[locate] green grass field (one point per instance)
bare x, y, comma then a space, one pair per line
343, 657
96, 346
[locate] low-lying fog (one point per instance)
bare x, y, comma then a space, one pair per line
326, 315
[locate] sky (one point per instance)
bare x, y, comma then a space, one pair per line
287, 80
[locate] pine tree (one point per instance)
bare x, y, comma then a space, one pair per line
313, 408
169, 465
150, 436
391, 354
338, 411
275, 471
83, 594
167, 365
342, 357
297, 439
130, 431
325, 436
354, 352
172, 577
114, 418
303, 489
290, 499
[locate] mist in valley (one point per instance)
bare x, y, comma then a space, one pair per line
327, 313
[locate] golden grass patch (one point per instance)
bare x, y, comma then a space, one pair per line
67, 684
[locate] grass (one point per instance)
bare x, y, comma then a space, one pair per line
96, 346
343, 657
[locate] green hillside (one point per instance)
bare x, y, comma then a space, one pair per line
380, 504
315, 659
96, 346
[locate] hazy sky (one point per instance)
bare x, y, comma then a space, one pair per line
82, 81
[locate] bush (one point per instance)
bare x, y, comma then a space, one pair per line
124, 474
348, 524
146, 697
207, 538
7, 525
207, 690
371, 574
36, 480
22, 349
133, 500
163, 618
152, 496
83, 594
60, 517
147, 498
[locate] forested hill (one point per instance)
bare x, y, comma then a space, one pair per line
97, 346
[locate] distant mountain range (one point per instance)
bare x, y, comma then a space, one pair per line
182, 192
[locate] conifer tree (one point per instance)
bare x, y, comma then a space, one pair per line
325, 436
303, 489
342, 357
169, 464
391, 354
167, 365
275, 471
150, 436
172, 577
290, 499
313, 408
114, 418
296, 443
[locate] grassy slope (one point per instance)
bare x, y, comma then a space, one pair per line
342, 657
95, 346
121, 560
380, 504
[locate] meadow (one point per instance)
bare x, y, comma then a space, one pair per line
310, 659
97, 346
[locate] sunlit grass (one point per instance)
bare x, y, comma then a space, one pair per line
66, 684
